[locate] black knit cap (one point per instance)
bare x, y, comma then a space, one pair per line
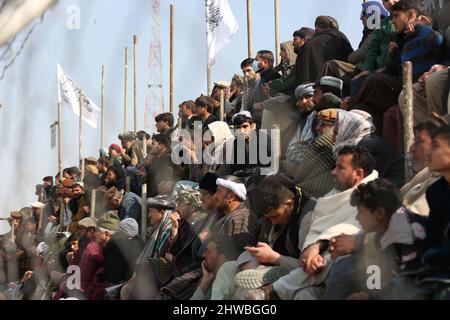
329, 101
209, 182
304, 32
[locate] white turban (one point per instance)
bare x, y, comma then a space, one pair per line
237, 188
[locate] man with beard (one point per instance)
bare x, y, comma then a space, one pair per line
187, 110
328, 43
115, 177
254, 93
332, 216
304, 94
288, 83
128, 205
131, 149
236, 219
160, 171
79, 205
245, 159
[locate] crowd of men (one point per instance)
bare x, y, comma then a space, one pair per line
320, 209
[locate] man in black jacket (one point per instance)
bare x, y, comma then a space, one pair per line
122, 251
438, 231
328, 43
161, 168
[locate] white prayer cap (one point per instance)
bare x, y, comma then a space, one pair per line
38, 205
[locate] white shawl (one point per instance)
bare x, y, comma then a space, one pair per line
333, 215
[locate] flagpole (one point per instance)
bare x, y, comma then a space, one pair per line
208, 67
102, 107
249, 29
81, 135
125, 102
222, 105
171, 59
277, 32
59, 141
208, 77
135, 82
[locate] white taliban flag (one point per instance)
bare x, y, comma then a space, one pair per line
221, 25
69, 95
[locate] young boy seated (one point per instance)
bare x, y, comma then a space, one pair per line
392, 242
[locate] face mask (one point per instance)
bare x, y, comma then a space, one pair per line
255, 65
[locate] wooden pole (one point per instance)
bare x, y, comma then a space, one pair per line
135, 82
102, 127
222, 105
408, 117
277, 32
144, 146
13, 234
125, 102
208, 78
245, 95
144, 213
208, 67
93, 202
80, 145
127, 183
61, 215
40, 220
59, 141
171, 58
249, 30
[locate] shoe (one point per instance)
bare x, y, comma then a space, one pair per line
258, 277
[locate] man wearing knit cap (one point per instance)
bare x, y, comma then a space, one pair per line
186, 247
313, 55
327, 84
131, 151
329, 101
92, 261
121, 252
236, 218
208, 188
188, 209
115, 153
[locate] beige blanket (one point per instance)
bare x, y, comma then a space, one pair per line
333, 215
414, 192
